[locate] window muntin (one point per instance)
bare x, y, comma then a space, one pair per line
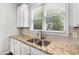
37, 12
52, 17
54, 8
37, 24
55, 23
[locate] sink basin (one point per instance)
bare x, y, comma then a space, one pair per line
43, 43
39, 42
33, 40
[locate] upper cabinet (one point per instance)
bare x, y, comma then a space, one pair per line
75, 15
23, 16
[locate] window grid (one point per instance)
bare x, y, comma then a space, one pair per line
44, 20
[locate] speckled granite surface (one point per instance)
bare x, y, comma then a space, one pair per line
56, 47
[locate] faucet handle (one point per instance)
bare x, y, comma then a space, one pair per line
38, 34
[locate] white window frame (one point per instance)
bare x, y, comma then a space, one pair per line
66, 21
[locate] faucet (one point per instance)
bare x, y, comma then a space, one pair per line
41, 35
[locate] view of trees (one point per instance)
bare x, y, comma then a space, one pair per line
38, 14
52, 22
38, 24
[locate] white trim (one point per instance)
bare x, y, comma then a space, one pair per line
66, 23
36, 5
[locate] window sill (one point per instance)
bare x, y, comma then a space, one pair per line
48, 32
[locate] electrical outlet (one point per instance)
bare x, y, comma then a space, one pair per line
74, 34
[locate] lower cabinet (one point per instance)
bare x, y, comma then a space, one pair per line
35, 51
19, 48
12, 45
25, 49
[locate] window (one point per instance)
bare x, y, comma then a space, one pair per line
49, 17
37, 18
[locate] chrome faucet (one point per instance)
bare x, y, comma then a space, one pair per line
41, 35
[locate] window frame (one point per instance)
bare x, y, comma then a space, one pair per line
66, 20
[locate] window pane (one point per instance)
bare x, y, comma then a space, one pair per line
37, 12
54, 8
55, 23
38, 24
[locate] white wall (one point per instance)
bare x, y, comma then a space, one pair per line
8, 27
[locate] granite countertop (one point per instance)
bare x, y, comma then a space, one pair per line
56, 47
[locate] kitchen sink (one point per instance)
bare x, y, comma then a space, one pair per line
39, 42
43, 43
34, 40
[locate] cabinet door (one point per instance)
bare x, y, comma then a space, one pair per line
25, 49
75, 14
26, 16
22, 16
17, 47
35, 51
12, 45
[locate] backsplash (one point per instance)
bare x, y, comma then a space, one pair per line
26, 31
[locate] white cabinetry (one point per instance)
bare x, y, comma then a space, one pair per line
23, 16
35, 51
75, 15
12, 45
25, 49
17, 47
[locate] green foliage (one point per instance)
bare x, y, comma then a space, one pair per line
53, 11
58, 25
38, 24
55, 20
38, 14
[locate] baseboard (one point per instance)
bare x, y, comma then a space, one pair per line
4, 53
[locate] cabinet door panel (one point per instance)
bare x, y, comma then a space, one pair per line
17, 47
23, 16
18, 17
35, 51
26, 16
12, 45
25, 49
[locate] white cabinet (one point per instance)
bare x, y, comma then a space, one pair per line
75, 14
35, 51
25, 49
17, 47
23, 16
12, 45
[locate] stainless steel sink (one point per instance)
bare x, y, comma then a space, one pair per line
43, 43
34, 40
39, 42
